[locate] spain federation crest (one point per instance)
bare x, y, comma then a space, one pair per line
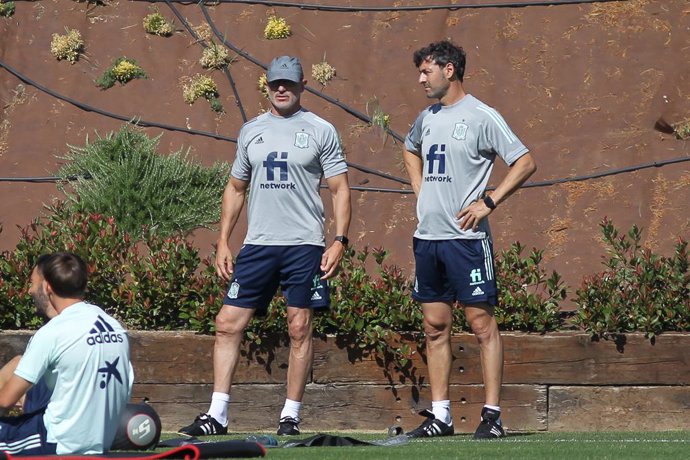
234, 290
460, 131
301, 140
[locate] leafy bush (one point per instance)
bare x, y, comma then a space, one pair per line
215, 56
68, 46
277, 28
372, 311
528, 299
682, 129
6, 9
123, 176
122, 70
262, 84
638, 291
152, 283
156, 24
322, 72
202, 86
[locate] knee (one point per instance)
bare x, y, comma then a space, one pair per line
484, 328
435, 331
226, 326
299, 329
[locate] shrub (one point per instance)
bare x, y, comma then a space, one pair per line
277, 28
148, 283
6, 9
638, 290
372, 311
682, 129
379, 117
122, 70
202, 86
323, 72
156, 24
68, 46
528, 298
214, 57
122, 175
263, 85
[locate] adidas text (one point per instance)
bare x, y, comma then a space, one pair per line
111, 337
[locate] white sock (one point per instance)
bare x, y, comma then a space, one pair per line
441, 410
291, 409
219, 407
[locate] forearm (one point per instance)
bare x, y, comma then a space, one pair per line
233, 202
518, 173
11, 392
413, 166
342, 207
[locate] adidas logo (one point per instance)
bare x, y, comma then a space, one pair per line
496, 431
428, 131
102, 332
477, 291
260, 140
284, 66
316, 296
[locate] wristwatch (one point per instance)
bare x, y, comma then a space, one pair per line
489, 202
343, 240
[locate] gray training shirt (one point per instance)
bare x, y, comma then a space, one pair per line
285, 159
458, 145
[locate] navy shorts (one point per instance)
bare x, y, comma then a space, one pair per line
26, 434
260, 270
454, 270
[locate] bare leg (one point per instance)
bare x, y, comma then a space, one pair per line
438, 321
301, 351
230, 324
481, 319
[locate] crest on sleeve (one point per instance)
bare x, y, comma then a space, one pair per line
301, 140
460, 131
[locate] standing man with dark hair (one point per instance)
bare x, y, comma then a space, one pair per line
449, 155
283, 153
80, 362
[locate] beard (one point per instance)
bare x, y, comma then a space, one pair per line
42, 304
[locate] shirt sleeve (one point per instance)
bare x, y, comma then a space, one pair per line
413, 140
496, 136
241, 168
332, 158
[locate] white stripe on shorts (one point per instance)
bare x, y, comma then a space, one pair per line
488, 263
30, 442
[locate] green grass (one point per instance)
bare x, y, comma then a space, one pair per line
558, 446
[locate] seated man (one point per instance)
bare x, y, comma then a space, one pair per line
81, 356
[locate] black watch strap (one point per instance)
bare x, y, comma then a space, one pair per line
489, 202
343, 240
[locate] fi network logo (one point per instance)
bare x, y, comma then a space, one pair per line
436, 161
272, 163
277, 162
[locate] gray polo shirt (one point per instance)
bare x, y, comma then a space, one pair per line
458, 145
285, 159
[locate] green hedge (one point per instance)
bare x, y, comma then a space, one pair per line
160, 283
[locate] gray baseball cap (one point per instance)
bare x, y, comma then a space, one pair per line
285, 68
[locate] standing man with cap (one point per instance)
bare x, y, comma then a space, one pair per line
283, 153
449, 155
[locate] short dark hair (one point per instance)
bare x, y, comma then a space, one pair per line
442, 53
66, 273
